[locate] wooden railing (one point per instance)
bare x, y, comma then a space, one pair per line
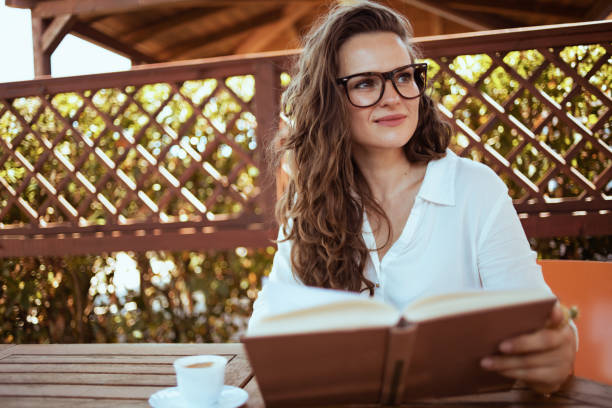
170, 156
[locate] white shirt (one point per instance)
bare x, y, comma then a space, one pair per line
462, 233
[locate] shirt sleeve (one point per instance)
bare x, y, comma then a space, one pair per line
505, 259
281, 272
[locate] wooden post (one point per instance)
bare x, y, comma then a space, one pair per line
47, 34
267, 97
42, 57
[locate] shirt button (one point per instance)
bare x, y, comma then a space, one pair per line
377, 285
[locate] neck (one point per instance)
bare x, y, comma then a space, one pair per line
386, 171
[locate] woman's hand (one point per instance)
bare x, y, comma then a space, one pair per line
543, 360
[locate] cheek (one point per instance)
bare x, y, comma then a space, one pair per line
360, 121
413, 111
413, 108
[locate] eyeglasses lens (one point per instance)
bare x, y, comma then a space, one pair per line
366, 90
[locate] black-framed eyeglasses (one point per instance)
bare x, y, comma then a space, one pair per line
367, 88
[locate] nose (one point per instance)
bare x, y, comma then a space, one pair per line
390, 95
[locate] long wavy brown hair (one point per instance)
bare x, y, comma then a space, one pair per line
322, 209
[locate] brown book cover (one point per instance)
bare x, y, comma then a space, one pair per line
390, 365
448, 350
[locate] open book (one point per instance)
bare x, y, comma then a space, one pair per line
319, 346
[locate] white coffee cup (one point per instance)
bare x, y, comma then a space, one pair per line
200, 379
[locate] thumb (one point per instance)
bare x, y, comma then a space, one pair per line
556, 317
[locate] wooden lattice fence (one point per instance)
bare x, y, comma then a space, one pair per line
557, 108
170, 156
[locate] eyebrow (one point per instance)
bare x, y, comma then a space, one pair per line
378, 72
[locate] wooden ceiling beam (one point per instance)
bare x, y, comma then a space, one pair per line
517, 7
51, 8
451, 15
436, 24
498, 22
601, 10
292, 39
90, 34
221, 47
25, 4
188, 48
263, 35
56, 31
54, 7
158, 28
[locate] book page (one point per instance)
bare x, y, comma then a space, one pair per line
462, 302
300, 309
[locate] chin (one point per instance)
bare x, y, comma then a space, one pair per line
396, 138
380, 137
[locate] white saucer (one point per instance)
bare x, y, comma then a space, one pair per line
231, 397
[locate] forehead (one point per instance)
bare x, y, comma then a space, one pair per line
378, 51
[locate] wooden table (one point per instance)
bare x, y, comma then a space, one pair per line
125, 375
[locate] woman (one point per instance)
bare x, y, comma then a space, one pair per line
377, 203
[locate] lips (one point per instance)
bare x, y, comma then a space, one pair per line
390, 120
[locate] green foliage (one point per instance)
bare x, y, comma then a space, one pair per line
577, 248
144, 297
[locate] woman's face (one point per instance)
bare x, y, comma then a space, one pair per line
390, 123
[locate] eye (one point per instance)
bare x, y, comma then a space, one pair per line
404, 77
363, 83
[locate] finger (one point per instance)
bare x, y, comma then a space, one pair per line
545, 389
542, 340
542, 388
510, 362
540, 375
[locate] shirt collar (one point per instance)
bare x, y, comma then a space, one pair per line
439, 182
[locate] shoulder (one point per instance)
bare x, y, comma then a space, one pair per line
476, 189
453, 180
472, 171
476, 178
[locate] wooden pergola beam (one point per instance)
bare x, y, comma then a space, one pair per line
449, 14
263, 35
435, 22
525, 7
211, 49
600, 10
515, 39
90, 34
189, 48
159, 28
53, 8
25, 4
56, 31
